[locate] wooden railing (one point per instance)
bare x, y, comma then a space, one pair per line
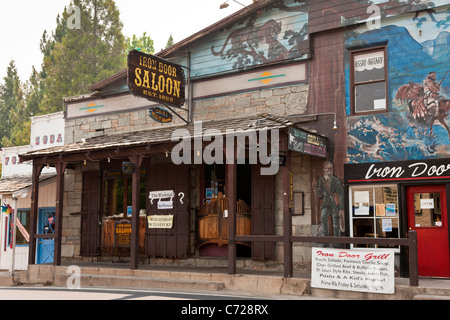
410, 242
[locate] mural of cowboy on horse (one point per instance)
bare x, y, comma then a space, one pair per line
425, 103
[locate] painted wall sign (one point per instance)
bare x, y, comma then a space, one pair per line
353, 270
156, 79
307, 143
397, 171
160, 221
160, 115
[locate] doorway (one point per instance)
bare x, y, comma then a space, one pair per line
46, 225
427, 214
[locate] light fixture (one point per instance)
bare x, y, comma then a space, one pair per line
198, 153
226, 5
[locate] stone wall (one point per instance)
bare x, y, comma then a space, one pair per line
280, 101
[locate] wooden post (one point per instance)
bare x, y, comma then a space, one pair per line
413, 260
135, 202
231, 195
287, 219
37, 168
60, 168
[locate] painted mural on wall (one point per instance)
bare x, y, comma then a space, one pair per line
279, 31
416, 125
328, 209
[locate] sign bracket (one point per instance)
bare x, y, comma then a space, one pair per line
187, 122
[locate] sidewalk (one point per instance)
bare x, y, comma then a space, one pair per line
216, 279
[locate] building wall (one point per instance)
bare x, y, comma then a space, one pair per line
416, 45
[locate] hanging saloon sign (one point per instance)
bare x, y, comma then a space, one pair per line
155, 79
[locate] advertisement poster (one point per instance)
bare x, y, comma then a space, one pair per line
353, 270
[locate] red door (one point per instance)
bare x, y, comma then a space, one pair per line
427, 214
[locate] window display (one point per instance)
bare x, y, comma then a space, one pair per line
374, 212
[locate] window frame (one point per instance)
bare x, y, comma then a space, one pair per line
372, 214
353, 84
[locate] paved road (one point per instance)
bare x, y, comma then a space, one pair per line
54, 293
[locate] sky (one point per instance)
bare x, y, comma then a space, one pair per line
22, 23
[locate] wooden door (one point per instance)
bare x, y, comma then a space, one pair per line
46, 225
169, 242
263, 217
427, 214
89, 212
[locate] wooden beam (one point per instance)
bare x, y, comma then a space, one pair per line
60, 168
231, 195
135, 202
287, 220
37, 169
93, 155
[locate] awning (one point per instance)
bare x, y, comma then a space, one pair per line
13, 184
157, 136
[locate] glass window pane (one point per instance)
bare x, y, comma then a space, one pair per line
369, 66
362, 202
427, 209
387, 228
363, 228
386, 202
370, 96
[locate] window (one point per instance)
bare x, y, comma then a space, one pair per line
368, 80
374, 212
22, 227
427, 209
118, 191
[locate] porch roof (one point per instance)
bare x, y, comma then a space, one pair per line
160, 135
13, 184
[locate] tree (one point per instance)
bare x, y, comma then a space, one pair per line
144, 43
13, 110
169, 42
75, 59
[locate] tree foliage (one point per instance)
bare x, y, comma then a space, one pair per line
73, 60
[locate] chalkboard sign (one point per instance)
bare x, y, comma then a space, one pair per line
307, 143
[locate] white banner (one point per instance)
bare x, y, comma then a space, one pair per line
353, 270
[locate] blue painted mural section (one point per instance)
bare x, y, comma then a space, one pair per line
275, 33
417, 57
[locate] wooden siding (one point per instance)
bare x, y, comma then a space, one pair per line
331, 14
47, 197
266, 36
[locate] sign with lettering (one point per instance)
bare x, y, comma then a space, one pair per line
353, 270
128, 167
397, 171
163, 194
122, 233
160, 221
307, 143
156, 79
160, 115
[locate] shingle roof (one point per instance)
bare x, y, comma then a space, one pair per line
12, 184
161, 135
